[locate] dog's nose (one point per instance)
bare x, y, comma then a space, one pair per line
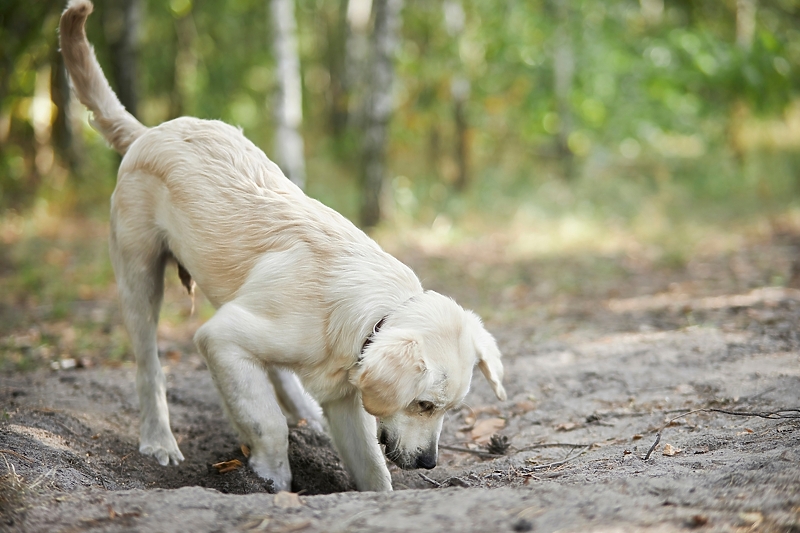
383, 438
426, 461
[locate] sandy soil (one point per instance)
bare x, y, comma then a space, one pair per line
602, 355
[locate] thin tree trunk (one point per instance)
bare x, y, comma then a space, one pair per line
357, 47
563, 74
64, 139
336, 58
122, 27
184, 101
379, 107
745, 23
460, 91
289, 105
454, 19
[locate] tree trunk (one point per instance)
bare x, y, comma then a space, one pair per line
63, 136
454, 19
379, 107
563, 74
745, 23
460, 91
289, 104
121, 26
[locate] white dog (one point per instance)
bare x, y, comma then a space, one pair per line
299, 291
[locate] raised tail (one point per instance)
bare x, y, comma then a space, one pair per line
119, 127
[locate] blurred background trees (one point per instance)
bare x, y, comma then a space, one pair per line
512, 111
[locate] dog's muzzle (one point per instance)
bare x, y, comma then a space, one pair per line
425, 459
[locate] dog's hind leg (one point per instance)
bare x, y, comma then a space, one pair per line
241, 379
139, 258
294, 400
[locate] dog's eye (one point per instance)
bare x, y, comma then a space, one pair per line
426, 407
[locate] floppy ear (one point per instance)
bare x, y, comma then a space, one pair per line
488, 356
390, 374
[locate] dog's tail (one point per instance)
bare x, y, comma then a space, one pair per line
119, 127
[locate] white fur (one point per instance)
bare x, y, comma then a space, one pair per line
298, 290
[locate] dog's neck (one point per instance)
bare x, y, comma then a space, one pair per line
375, 329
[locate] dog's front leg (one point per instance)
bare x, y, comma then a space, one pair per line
246, 394
354, 433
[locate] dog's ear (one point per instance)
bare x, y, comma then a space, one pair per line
391, 373
488, 355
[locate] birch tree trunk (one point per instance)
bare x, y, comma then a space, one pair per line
745, 23
289, 104
379, 107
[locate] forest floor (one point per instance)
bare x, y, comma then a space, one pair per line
605, 356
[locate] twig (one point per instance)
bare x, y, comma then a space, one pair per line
552, 445
792, 413
653, 447
429, 480
12, 452
558, 463
482, 453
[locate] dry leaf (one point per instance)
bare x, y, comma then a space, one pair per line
287, 500
670, 450
245, 450
228, 466
520, 408
484, 429
746, 431
567, 426
637, 437
751, 519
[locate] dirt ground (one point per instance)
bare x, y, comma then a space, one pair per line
602, 355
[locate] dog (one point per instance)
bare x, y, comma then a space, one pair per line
305, 301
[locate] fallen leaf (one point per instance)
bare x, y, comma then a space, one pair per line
746, 431
520, 408
566, 426
670, 450
287, 500
751, 519
245, 450
484, 429
698, 520
227, 466
637, 437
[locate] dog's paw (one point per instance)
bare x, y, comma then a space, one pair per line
164, 453
280, 475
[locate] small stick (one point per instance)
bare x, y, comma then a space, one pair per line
482, 453
429, 480
653, 447
552, 445
558, 463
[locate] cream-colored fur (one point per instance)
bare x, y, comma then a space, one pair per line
297, 287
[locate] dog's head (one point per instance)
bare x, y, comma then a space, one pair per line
417, 367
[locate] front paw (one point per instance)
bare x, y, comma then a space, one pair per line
166, 451
278, 472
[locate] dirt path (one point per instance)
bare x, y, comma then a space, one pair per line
593, 373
